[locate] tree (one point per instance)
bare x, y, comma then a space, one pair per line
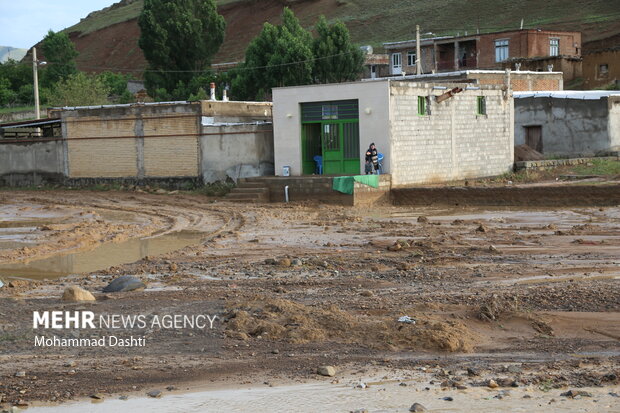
60, 55
16, 83
278, 56
178, 39
336, 58
7, 95
117, 85
79, 89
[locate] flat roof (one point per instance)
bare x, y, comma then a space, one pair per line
430, 83
432, 39
176, 102
461, 73
568, 94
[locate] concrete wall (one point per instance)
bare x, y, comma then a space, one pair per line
570, 127
236, 151
453, 142
373, 98
320, 189
165, 140
613, 103
31, 163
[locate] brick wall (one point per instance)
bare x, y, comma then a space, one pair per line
122, 141
451, 143
175, 155
521, 81
114, 157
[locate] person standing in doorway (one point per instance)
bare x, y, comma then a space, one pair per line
372, 160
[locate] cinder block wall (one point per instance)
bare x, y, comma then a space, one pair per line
453, 142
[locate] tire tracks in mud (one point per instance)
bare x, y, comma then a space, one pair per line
171, 215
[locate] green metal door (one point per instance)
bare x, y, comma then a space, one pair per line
351, 148
330, 129
332, 149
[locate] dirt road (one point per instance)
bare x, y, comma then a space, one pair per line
526, 297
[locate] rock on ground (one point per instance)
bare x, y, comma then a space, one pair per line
75, 293
124, 283
328, 371
417, 407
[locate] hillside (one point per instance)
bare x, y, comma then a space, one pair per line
108, 39
13, 53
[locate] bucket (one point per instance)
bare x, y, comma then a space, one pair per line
286, 171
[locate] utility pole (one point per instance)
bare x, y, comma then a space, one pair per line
35, 75
418, 61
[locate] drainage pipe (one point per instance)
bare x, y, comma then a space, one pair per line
286, 193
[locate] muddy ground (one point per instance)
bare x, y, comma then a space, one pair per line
526, 297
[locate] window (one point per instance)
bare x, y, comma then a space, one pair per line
482, 105
501, 50
330, 111
396, 64
411, 58
603, 71
554, 47
424, 105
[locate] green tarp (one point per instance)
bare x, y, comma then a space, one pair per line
345, 184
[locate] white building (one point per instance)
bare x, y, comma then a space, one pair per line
428, 133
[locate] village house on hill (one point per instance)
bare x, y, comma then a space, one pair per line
527, 50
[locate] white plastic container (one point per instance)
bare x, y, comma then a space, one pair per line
286, 171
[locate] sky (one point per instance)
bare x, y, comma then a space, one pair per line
23, 23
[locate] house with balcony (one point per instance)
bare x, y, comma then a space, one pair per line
527, 50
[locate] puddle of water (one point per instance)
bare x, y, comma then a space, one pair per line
324, 397
102, 257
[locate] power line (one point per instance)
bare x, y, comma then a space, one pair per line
236, 68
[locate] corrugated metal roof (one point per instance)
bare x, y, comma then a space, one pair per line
29, 123
568, 94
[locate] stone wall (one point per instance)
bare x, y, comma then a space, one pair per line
453, 142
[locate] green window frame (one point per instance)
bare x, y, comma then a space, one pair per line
424, 105
481, 105
422, 109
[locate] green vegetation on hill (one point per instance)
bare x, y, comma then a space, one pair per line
375, 22
116, 14
107, 17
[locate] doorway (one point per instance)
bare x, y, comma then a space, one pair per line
330, 130
533, 137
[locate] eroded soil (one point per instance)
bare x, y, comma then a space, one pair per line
525, 297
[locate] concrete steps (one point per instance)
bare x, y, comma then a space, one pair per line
251, 192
